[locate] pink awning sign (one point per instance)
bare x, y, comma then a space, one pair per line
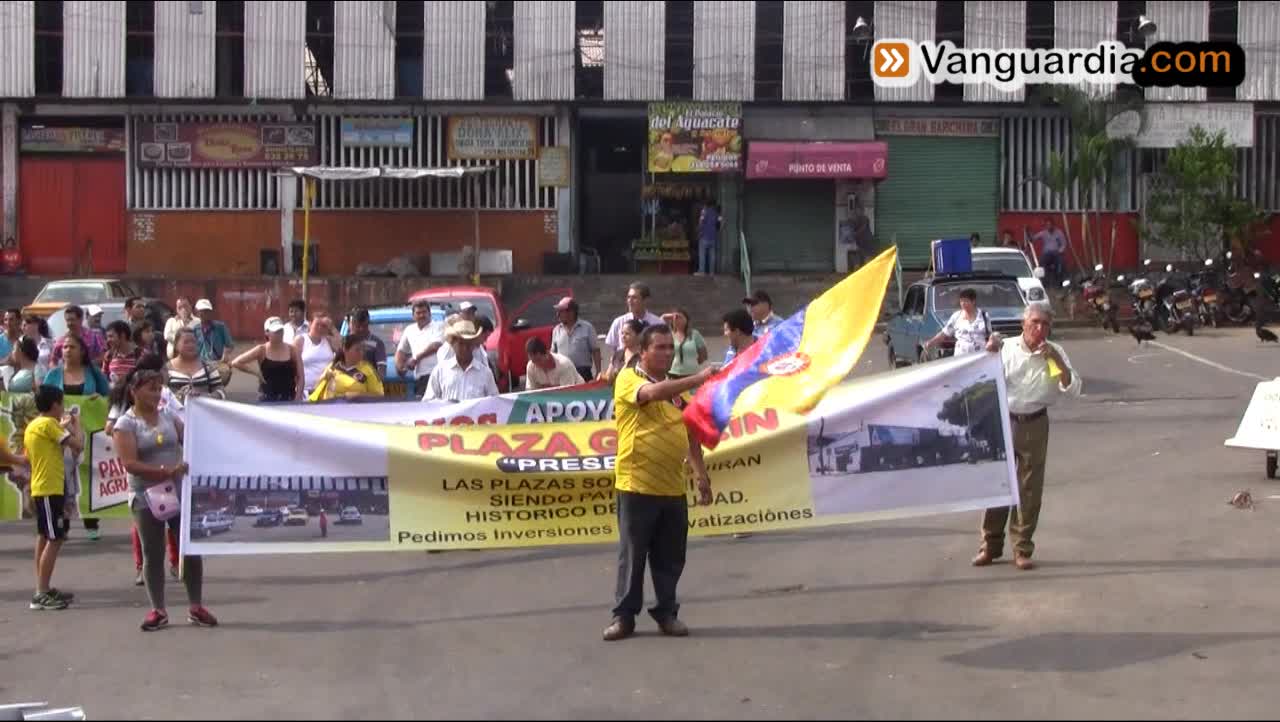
769, 159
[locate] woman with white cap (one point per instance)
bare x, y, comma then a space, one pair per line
279, 365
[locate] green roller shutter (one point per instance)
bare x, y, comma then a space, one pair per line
937, 188
790, 225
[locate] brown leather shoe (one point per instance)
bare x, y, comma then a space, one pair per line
673, 628
984, 558
619, 629
1023, 562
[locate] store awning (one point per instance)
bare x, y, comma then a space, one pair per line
770, 159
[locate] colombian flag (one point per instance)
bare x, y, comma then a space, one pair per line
793, 366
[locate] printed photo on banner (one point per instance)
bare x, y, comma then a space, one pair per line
294, 510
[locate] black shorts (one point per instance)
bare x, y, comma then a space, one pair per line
52, 522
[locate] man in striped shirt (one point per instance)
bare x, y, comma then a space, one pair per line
465, 376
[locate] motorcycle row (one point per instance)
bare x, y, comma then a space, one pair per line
1219, 292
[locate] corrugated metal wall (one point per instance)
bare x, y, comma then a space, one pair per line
453, 50
274, 48
93, 49
634, 49
365, 50
185, 52
813, 50
724, 50
1179, 21
544, 48
1027, 141
994, 24
1258, 168
1084, 24
912, 19
1259, 35
17, 37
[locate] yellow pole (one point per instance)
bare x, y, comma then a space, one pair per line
308, 194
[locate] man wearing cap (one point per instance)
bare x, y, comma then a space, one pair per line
375, 351
93, 323
213, 339
467, 310
575, 339
637, 301
419, 343
760, 306
464, 376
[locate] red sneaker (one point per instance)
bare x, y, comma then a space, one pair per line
155, 619
201, 617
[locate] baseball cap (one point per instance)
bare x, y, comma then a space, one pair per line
204, 304
466, 306
273, 324
93, 310
758, 297
565, 303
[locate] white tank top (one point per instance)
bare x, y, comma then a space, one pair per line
316, 357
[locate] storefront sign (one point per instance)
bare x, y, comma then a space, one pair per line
226, 145
946, 127
1165, 125
377, 132
73, 140
490, 137
817, 160
553, 166
695, 137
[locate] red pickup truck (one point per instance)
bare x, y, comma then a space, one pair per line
512, 330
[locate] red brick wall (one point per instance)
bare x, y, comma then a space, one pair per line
205, 244
1126, 249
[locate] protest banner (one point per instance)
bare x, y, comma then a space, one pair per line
1260, 426
931, 439
585, 402
104, 488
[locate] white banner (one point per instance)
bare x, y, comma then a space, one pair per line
931, 439
109, 482
1260, 427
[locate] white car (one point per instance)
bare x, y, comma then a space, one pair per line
1012, 262
252, 510
350, 515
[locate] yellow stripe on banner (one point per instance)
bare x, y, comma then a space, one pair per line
837, 326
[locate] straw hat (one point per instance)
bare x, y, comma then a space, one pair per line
462, 329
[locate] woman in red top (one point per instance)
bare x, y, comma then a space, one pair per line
11, 257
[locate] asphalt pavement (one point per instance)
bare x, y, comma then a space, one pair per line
1153, 598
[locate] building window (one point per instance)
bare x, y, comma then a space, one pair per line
48, 47
410, 24
229, 36
589, 60
770, 22
140, 48
1224, 20
857, 53
1040, 19
318, 61
499, 49
678, 68
949, 25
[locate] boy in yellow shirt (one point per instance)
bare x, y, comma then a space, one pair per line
44, 440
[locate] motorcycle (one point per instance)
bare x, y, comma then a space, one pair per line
1142, 294
1237, 297
1097, 295
1205, 295
1175, 307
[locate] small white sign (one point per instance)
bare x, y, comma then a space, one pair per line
1260, 427
108, 479
1165, 125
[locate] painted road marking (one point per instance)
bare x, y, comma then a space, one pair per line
1207, 362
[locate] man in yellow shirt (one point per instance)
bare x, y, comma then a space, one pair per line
653, 513
44, 440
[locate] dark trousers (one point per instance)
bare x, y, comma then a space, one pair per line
653, 529
152, 533
420, 386
584, 371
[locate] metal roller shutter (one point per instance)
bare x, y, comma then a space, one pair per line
790, 225
937, 188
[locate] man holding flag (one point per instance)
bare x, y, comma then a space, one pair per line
653, 514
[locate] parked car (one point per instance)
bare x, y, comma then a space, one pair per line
512, 329
297, 517
930, 302
350, 515
1012, 262
252, 510
78, 292
388, 323
158, 312
210, 523
270, 517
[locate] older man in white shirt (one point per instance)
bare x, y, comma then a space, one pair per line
1037, 374
464, 376
637, 308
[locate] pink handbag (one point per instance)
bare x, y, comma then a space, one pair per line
162, 500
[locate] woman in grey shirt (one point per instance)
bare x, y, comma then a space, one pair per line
150, 445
